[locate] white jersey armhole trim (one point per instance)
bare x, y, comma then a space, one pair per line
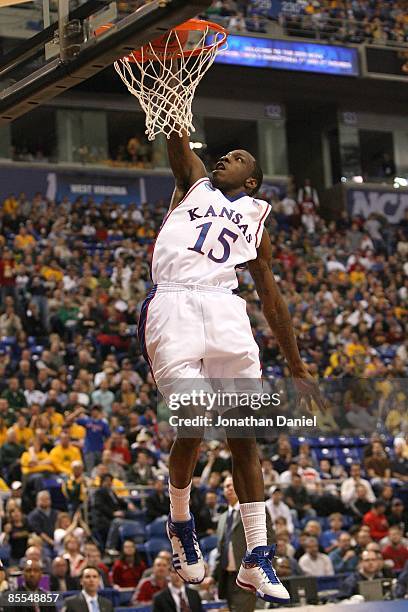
265, 213
193, 186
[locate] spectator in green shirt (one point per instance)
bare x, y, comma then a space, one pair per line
10, 454
14, 395
5, 413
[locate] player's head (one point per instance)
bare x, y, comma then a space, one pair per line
238, 170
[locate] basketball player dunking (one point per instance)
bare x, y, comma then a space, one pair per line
193, 326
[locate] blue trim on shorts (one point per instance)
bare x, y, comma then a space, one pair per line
141, 328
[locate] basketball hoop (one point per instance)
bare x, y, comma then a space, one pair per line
163, 75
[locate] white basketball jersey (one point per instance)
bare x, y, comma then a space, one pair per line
206, 236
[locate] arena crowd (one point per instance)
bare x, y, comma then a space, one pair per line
354, 21
84, 441
358, 21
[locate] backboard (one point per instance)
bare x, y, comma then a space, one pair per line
49, 46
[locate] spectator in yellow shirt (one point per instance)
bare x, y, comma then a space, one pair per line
357, 276
55, 418
24, 434
24, 241
3, 431
77, 486
64, 453
41, 425
52, 272
145, 231
89, 281
4, 488
118, 486
35, 460
77, 432
397, 418
355, 347
10, 205
337, 360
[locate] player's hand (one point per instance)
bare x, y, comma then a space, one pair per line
308, 390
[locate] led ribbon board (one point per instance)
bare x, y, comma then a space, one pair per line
290, 55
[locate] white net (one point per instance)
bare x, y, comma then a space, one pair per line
164, 79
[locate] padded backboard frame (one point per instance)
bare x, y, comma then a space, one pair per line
95, 55
12, 2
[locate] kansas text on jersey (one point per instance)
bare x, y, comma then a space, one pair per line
207, 236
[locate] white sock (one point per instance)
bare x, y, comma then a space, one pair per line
254, 520
179, 503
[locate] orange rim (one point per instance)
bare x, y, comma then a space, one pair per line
192, 25
103, 28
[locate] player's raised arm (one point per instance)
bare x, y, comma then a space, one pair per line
277, 314
186, 166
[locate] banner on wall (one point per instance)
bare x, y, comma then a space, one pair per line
123, 190
391, 204
55, 184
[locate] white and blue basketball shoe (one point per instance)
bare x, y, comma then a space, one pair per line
187, 557
256, 574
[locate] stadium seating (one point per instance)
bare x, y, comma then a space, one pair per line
208, 544
157, 528
5, 554
155, 545
132, 531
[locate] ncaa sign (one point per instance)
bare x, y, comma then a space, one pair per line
390, 204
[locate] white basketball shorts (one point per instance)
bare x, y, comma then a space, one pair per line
197, 332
